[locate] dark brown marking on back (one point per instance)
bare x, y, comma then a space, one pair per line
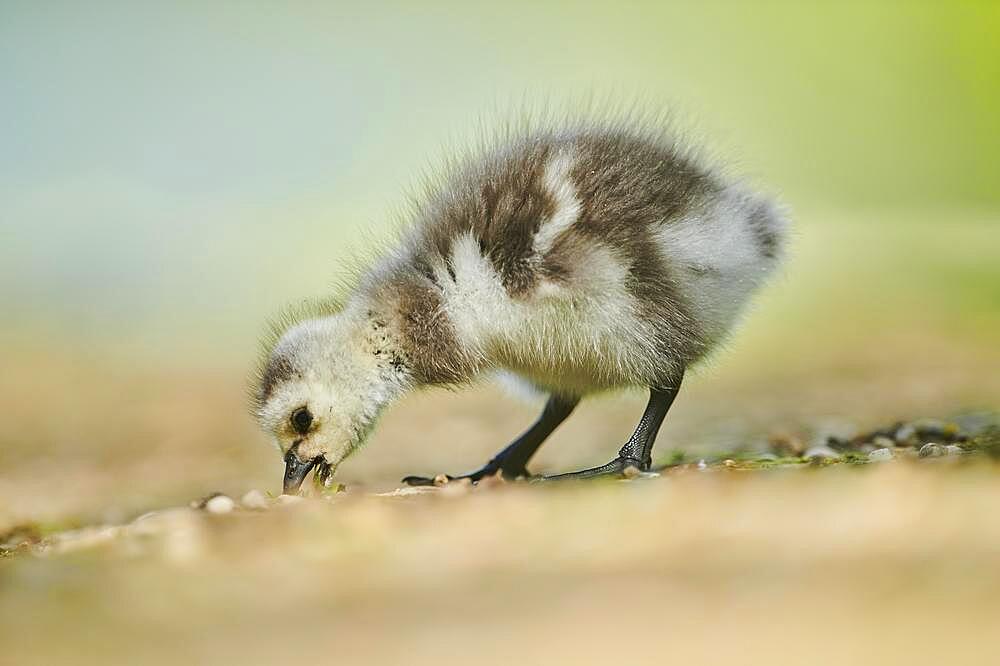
627, 186
502, 202
628, 182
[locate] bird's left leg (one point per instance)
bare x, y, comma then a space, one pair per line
638, 450
511, 461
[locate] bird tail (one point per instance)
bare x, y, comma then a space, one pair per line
766, 220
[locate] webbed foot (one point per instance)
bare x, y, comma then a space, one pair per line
619, 467
475, 477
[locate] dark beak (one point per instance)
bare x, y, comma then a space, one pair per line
296, 470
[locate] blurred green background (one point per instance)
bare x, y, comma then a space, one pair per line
172, 175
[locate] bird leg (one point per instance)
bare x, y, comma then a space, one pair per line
638, 450
512, 461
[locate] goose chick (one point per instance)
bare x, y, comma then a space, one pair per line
577, 259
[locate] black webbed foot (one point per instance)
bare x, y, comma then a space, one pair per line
474, 477
619, 467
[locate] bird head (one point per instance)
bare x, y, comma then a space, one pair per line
320, 391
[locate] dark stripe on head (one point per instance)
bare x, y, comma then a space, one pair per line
278, 369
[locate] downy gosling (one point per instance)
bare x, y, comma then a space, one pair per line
577, 258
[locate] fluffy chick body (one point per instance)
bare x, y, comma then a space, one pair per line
577, 259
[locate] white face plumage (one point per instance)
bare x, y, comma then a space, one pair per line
322, 390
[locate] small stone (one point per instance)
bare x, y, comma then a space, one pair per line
289, 499
254, 499
953, 450
203, 502
883, 442
492, 481
729, 462
220, 504
881, 455
821, 453
441, 480
931, 450
905, 433
787, 444
631, 472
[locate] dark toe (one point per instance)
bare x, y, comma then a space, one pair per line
418, 481
616, 467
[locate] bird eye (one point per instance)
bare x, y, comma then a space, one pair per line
301, 420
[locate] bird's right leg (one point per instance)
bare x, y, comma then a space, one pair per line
638, 450
512, 461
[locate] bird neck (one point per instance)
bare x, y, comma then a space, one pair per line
378, 353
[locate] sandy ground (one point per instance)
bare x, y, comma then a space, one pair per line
882, 563
892, 563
